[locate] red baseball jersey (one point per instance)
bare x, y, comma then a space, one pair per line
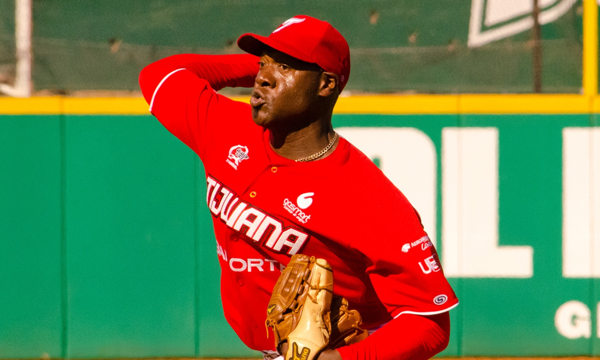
265, 208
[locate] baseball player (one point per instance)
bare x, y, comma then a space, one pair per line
281, 181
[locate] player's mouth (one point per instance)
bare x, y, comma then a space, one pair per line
256, 101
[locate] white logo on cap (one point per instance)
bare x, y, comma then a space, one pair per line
289, 22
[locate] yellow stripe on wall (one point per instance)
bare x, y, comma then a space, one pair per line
398, 104
108, 106
524, 104
356, 104
34, 106
595, 103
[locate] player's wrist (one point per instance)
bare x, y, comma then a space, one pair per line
330, 355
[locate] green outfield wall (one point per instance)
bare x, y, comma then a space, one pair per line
107, 248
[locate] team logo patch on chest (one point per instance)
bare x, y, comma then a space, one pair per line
237, 154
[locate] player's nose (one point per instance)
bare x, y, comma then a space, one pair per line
264, 78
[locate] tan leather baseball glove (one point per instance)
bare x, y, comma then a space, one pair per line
304, 313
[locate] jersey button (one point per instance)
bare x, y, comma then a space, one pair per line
274, 169
240, 282
253, 194
234, 237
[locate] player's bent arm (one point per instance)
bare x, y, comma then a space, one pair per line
218, 70
408, 336
181, 92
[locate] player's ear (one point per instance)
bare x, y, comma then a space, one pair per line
329, 84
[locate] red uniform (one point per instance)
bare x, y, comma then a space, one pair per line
266, 208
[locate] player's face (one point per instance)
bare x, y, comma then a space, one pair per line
285, 91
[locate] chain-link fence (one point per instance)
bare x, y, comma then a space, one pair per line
427, 46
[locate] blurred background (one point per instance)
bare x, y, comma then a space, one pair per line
429, 46
483, 112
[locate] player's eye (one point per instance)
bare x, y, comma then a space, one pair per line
284, 67
261, 63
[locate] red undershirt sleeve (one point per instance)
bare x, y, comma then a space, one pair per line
408, 336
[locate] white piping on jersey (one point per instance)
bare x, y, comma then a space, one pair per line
428, 313
371, 331
160, 84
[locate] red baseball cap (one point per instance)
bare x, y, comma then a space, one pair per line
307, 39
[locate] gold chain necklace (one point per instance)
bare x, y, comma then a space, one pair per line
320, 153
